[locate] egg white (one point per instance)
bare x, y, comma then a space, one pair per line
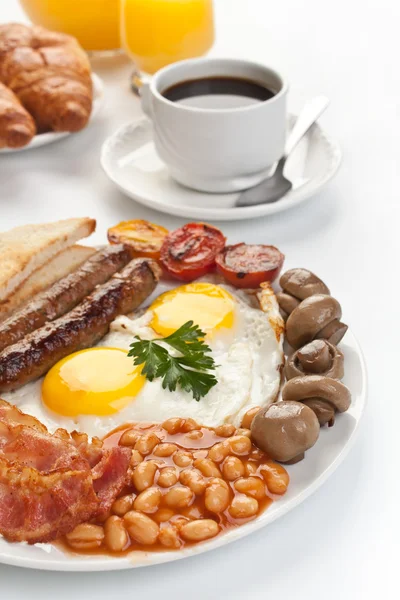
249, 357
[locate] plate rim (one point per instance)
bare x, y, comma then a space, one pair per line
224, 214
51, 136
138, 560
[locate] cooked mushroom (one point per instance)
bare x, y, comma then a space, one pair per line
298, 284
324, 395
315, 317
285, 430
287, 303
319, 357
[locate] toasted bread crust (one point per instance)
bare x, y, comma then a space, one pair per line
60, 266
27, 248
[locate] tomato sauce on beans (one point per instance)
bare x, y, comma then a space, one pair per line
188, 484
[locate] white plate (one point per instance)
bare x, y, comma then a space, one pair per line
306, 477
48, 138
129, 159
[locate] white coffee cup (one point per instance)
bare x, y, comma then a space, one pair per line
222, 149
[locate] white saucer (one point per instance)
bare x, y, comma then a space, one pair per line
129, 159
48, 138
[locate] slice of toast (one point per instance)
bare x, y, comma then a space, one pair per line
27, 248
60, 266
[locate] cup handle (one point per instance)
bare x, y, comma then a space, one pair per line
145, 98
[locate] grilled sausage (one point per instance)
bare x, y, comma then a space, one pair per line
62, 296
81, 328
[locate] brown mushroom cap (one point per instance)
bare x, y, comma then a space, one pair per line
319, 357
287, 303
285, 430
310, 317
318, 386
333, 332
302, 283
315, 356
324, 410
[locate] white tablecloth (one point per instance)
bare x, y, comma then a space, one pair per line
341, 542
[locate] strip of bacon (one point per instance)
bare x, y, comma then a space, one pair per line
51, 483
110, 476
42, 451
38, 507
92, 451
12, 414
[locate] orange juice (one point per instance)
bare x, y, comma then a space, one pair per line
95, 23
156, 33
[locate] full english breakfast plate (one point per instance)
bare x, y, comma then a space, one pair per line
163, 395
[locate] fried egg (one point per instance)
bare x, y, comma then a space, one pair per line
98, 389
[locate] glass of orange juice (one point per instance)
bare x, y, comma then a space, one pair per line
155, 33
95, 23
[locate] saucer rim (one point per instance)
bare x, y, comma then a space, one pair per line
233, 213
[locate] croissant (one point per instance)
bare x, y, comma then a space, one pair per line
49, 73
17, 127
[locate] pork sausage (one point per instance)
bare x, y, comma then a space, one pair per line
63, 295
81, 328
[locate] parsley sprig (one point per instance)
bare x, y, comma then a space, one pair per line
189, 369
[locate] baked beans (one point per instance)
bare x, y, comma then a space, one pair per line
115, 535
219, 451
276, 477
189, 425
86, 536
141, 528
200, 530
232, 468
178, 497
165, 449
163, 515
240, 444
249, 416
122, 505
168, 477
251, 486
187, 484
143, 475
217, 496
169, 537
225, 430
242, 431
148, 500
173, 426
207, 467
136, 458
146, 443
243, 507
129, 438
193, 480
182, 458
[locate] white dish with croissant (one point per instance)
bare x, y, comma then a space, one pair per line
46, 86
42, 139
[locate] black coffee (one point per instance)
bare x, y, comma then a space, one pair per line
218, 92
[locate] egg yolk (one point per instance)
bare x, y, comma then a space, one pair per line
208, 305
97, 381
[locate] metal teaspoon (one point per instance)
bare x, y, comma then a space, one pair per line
272, 189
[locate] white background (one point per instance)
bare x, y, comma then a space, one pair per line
343, 541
